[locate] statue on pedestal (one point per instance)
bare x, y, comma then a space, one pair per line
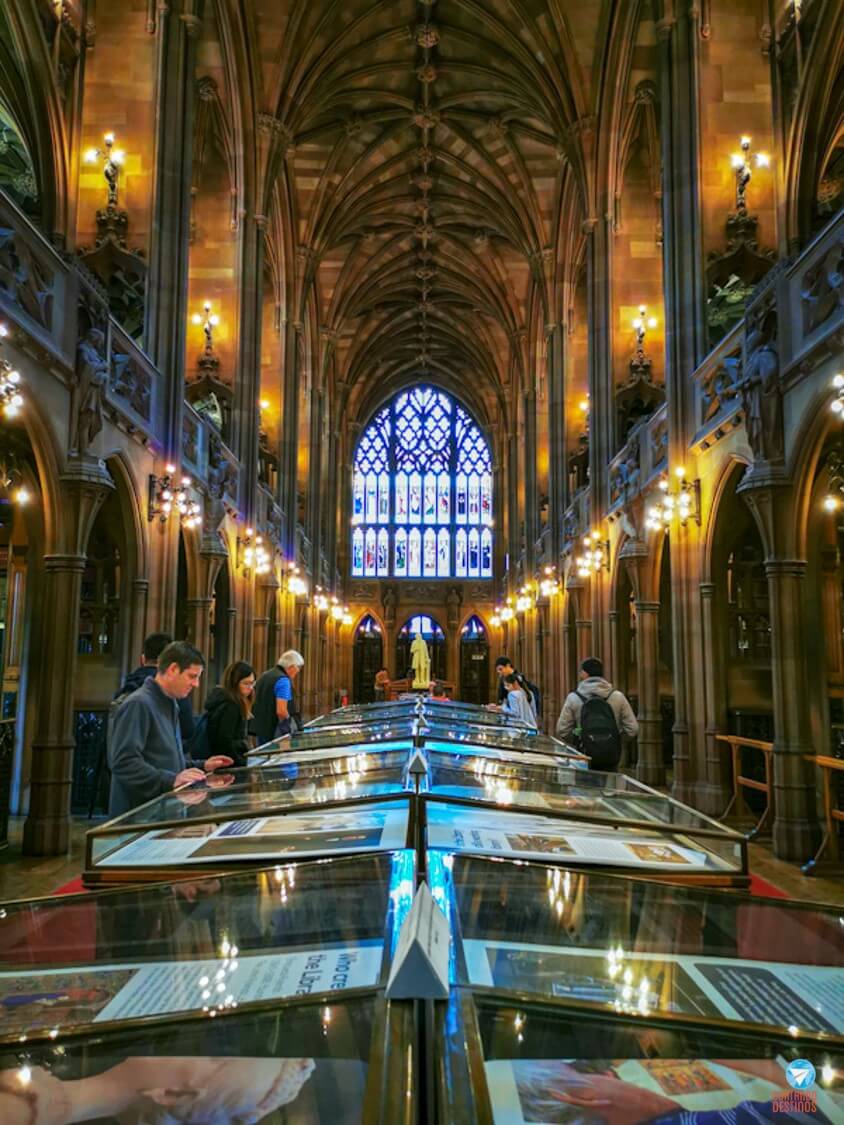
420, 662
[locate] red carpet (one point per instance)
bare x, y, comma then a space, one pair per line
764, 889
72, 888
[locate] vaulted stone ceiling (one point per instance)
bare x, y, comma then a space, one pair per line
429, 159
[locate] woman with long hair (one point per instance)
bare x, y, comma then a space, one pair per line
229, 708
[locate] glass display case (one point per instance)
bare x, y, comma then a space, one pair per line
249, 997
585, 997
571, 996
481, 790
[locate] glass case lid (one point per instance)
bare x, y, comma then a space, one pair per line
366, 713
380, 735
209, 944
644, 947
265, 838
519, 739
275, 787
516, 834
522, 1064
308, 1064
563, 788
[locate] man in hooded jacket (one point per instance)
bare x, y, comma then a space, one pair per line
592, 684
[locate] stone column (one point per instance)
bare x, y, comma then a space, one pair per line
795, 822
583, 628
531, 498
557, 476
137, 617
246, 414
770, 498
684, 287
84, 488
714, 791
650, 768
178, 26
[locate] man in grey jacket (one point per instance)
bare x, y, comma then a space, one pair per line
147, 758
592, 683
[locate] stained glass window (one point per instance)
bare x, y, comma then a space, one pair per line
422, 502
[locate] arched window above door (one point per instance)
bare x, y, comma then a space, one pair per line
422, 491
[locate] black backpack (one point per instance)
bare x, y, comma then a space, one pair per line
600, 738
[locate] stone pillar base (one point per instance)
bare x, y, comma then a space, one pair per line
46, 835
711, 799
795, 840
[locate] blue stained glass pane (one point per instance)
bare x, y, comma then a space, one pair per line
427, 451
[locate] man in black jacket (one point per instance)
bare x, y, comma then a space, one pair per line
154, 645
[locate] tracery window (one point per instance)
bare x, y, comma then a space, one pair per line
422, 492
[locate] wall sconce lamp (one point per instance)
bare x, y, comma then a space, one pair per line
347, 616
641, 324
253, 554
742, 163
337, 610
502, 614
583, 407
209, 322
296, 584
320, 600
684, 503
524, 600
167, 495
837, 404
595, 557
112, 159
549, 585
11, 399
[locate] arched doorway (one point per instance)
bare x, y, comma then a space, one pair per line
433, 636
474, 662
368, 658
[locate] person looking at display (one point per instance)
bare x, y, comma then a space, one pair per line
275, 710
147, 758
597, 715
504, 668
229, 709
516, 702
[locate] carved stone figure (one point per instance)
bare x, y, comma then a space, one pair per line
420, 662
761, 393
452, 602
389, 602
92, 378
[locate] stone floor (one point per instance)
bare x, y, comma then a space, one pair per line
28, 878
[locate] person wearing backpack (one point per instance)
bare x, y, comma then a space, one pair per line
599, 715
227, 714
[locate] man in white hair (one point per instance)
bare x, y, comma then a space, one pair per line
274, 711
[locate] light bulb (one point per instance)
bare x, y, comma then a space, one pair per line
745, 142
830, 503
215, 320
737, 161
91, 155
680, 471
196, 318
13, 376
108, 138
762, 160
171, 469
837, 406
637, 323
651, 322
118, 156
4, 331
22, 496
265, 404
